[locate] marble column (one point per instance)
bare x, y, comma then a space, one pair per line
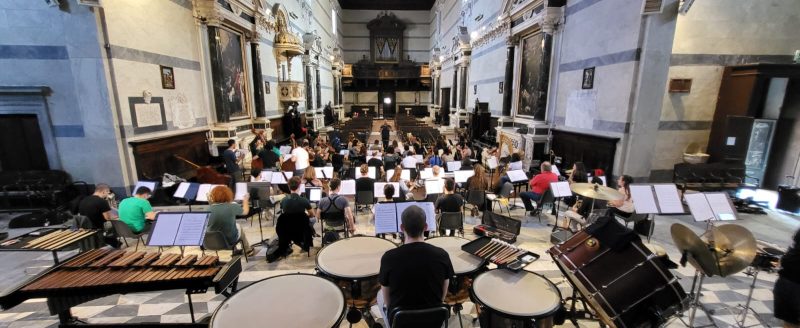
335, 89
215, 57
309, 90
462, 103
258, 79
509, 79
454, 88
318, 85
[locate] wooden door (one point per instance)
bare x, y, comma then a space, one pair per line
444, 112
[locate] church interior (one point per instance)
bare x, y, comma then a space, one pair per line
309, 163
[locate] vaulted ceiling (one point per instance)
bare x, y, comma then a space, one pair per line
387, 4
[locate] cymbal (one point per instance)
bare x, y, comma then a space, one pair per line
735, 248
697, 250
596, 191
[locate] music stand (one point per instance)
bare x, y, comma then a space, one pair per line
560, 189
178, 229
652, 199
188, 192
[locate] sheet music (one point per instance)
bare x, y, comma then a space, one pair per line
285, 150
324, 172
603, 178
386, 218
462, 176
278, 177
314, 194
644, 202
668, 199
517, 175
241, 189
434, 186
380, 185
348, 188
492, 162
202, 192
427, 173
301, 188
555, 170
165, 229
183, 188
515, 165
698, 205
419, 158
192, 229
560, 189
344, 152
370, 173
721, 206
148, 184
265, 176
428, 207
453, 166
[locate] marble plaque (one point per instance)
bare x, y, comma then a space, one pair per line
148, 115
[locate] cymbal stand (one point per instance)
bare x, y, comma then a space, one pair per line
743, 310
694, 295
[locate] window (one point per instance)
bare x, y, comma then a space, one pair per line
333, 20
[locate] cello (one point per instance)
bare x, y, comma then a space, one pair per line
206, 174
257, 163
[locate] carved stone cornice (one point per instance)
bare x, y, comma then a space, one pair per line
497, 30
205, 12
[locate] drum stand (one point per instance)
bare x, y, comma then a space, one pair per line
573, 314
743, 310
694, 299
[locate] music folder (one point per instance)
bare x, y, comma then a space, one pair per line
344, 152
405, 174
370, 173
265, 176
186, 190
434, 186
515, 165
492, 162
656, 199
517, 175
325, 172
453, 166
710, 206
313, 194
178, 229
149, 184
462, 176
241, 190
380, 185
560, 189
281, 177
203, 190
388, 216
348, 188
285, 150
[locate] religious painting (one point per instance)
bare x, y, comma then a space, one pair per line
532, 83
500, 87
588, 78
266, 87
233, 79
167, 77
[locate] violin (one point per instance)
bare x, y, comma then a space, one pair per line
206, 174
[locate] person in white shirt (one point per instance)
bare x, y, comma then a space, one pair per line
410, 162
300, 159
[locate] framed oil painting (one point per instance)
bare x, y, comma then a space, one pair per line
233, 79
531, 98
167, 77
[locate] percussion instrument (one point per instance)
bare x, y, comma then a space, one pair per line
500, 253
292, 300
515, 299
767, 256
354, 264
103, 272
729, 248
465, 267
596, 191
53, 240
627, 287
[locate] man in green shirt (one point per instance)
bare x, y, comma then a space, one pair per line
136, 210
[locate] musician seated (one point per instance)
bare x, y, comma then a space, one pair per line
578, 213
270, 155
376, 145
364, 183
96, 208
415, 275
310, 179
539, 184
577, 175
409, 162
335, 209
449, 201
295, 203
624, 207
405, 185
435, 159
466, 164
136, 211
390, 159
376, 160
319, 157
388, 194
223, 216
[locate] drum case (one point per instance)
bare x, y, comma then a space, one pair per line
515, 265
499, 226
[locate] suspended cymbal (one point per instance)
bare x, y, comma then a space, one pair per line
735, 248
596, 191
698, 254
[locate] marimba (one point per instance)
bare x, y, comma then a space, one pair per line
102, 272
53, 240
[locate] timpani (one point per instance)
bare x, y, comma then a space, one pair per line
354, 263
515, 299
291, 300
465, 267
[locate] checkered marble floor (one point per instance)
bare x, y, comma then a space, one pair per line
172, 305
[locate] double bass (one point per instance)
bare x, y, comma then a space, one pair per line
207, 174
257, 163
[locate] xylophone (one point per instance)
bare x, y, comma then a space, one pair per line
102, 272
53, 240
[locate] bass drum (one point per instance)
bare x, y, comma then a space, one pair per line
521, 300
627, 287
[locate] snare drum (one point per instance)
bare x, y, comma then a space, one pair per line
354, 263
508, 299
292, 300
465, 266
627, 288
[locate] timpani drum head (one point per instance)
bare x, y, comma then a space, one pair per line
463, 262
353, 258
292, 300
522, 294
